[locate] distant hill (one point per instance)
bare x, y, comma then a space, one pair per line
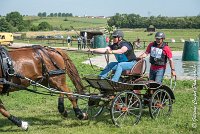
64, 23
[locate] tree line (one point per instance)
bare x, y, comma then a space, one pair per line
161, 22
13, 22
44, 14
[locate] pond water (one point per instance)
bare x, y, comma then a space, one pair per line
184, 69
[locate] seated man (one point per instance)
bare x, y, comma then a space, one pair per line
124, 55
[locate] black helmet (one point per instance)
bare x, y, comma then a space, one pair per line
118, 33
160, 35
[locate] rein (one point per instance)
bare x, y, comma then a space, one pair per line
4, 81
90, 60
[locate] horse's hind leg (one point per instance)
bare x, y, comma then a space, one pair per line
13, 119
79, 114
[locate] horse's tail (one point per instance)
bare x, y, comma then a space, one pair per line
72, 71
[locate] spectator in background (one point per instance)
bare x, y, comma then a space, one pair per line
79, 39
84, 42
137, 43
68, 41
92, 42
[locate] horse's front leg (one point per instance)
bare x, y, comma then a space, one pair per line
79, 114
13, 119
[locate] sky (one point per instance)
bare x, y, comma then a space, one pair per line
145, 8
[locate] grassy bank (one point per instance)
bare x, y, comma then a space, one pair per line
41, 112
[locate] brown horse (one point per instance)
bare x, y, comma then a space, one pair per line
45, 65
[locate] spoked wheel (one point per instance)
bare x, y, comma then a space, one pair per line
90, 107
160, 104
126, 109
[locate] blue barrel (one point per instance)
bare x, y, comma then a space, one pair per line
191, 51
99, 41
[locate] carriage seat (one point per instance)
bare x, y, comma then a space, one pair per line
137, 70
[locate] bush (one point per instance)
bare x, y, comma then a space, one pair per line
44, 26
5, 26
34, 28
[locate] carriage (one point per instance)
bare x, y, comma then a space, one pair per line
126, 99
47, 68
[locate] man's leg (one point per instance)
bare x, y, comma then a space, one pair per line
121, 67
159, 75
107, 69
152, 75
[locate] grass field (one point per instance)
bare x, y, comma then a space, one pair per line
130, 35
41, 112
81, 23
66, 22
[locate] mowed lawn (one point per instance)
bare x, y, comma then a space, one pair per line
41, 112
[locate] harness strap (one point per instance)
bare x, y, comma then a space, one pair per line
6, 67
4, 81
58, 71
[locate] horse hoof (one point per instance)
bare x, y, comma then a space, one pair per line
65, 114
61, 109
24, 125
85, 116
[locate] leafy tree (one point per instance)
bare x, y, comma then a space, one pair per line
40, 14
136, 21
44, 14
63, 14
55, 15
51, 15
25, 26
14, 18
59, 15
5, 26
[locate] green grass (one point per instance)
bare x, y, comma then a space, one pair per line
82, 23
176, 34
41, 112
132, 34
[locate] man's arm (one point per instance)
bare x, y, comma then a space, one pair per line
146, 53
101, 50
171, 63
143, 55
119, 51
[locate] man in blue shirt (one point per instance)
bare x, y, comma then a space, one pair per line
124, 55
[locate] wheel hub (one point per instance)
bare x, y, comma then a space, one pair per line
124, 109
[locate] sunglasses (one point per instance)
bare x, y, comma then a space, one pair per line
158, 38
114, 36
